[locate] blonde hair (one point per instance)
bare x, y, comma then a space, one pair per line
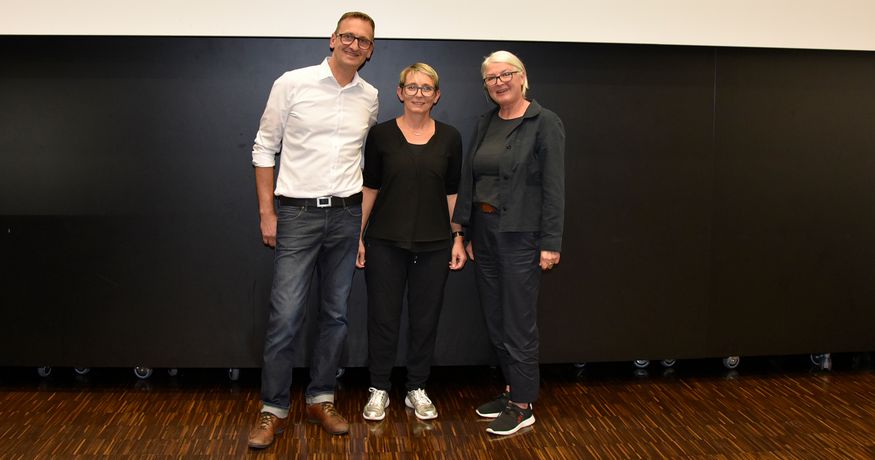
506, 57
422, 68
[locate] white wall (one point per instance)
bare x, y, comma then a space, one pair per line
838, 24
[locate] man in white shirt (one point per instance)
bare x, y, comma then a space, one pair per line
318, 118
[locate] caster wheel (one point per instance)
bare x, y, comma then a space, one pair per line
143, 373
731, 362
340, 372
668, 362
44, 371
81, 370
234, 374
173, 372
641, 363
823, 361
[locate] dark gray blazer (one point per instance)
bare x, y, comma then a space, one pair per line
532, 185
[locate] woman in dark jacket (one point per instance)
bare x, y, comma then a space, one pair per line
411, 175
512, 198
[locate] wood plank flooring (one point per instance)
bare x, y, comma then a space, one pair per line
768, 408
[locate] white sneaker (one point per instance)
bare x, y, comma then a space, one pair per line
375, 409
421, 405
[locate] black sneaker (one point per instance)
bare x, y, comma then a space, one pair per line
511, 420
494, 408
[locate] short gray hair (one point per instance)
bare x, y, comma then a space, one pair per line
506, 57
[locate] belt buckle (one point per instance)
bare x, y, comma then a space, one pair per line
323, 202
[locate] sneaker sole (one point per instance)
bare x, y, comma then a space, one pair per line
527, 422
421, 417
377, 419
488, 415
374, 419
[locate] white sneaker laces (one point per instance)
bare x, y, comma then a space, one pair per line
419, 397
378, 397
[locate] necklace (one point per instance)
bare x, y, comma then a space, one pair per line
413, 131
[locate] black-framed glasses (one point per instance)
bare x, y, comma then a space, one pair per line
347, 39
412, 89
504, 77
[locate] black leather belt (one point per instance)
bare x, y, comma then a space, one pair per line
322, 201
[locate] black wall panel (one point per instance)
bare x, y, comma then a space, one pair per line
720, 201
794, 213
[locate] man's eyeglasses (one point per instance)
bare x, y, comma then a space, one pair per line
412, 89
504, 77
348, 38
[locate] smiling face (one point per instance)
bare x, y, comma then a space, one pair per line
503, 93
352, 56
418, 103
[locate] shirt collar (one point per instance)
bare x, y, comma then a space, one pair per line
325, 73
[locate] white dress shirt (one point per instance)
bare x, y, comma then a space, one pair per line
319, 128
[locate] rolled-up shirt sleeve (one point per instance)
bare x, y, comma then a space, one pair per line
268, 141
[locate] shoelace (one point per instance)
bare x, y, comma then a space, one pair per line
328, 407
419, 397
378, 398
264, 421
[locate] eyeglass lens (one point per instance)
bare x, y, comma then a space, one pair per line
411, 90
504, 77
348, 38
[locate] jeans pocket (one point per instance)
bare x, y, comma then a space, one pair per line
354, 210
288, 213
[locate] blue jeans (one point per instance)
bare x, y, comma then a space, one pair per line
324, 242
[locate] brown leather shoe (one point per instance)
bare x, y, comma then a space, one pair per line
265, 429
326, 415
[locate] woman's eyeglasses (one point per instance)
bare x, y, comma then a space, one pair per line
412, 89
504, 77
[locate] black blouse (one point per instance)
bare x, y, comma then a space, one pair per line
413, 183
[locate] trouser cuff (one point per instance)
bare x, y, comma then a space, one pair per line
278, 411
320, 398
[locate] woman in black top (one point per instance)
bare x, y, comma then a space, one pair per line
412, 167
512, 197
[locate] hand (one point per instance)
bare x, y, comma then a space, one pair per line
470, 250
268, 230
458, 257
360, 257
549, 259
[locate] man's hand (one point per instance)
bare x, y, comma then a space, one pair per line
268, 229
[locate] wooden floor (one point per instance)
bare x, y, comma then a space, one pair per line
767, 408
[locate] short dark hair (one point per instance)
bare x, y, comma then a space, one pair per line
355, 15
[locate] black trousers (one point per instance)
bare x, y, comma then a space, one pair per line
388, 271
508, 281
